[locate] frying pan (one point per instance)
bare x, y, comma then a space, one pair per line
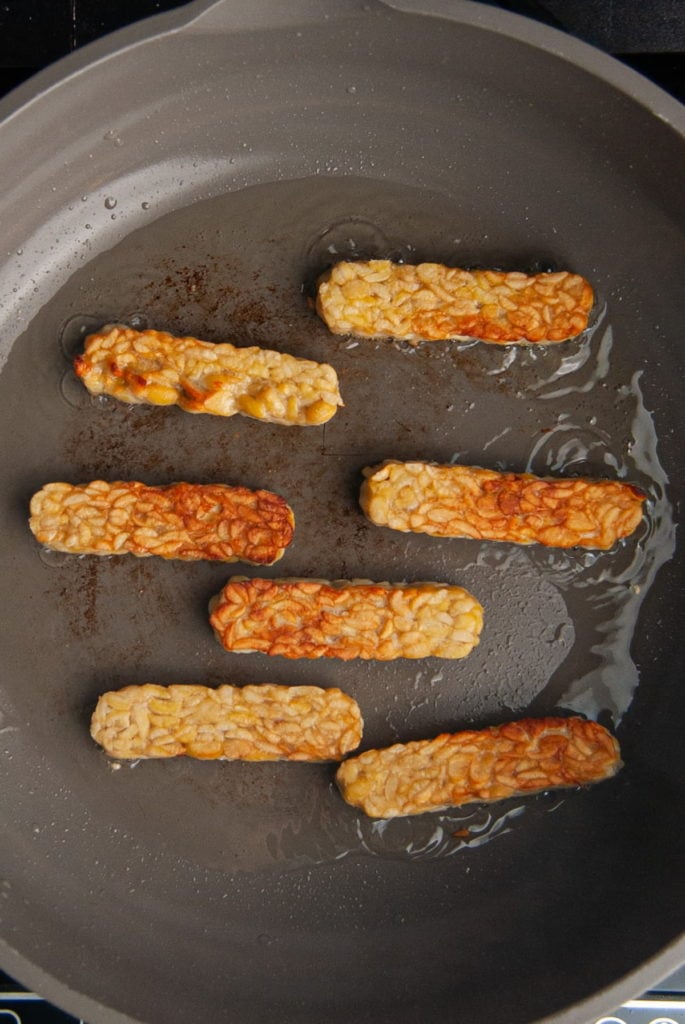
195, 173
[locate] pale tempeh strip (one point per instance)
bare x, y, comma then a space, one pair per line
185, 521
520, 758
249, 723
432, 302
160, 369
467, 501
346, 619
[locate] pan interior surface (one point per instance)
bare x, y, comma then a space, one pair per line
168, 891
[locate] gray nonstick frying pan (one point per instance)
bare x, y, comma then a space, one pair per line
195, 173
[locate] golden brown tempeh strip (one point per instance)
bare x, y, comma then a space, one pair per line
346, 619
466, 501
160, 369
186, 521
460, 768
431, 302
249, 723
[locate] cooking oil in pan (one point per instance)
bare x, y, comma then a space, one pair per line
558, 626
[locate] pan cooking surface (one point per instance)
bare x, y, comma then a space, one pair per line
558, 624
245, 160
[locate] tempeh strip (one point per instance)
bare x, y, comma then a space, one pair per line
432, 302
186, 521
467, 501
346, 619
516, 759
159, 369
249, 723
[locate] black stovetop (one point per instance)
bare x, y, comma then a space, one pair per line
648, 35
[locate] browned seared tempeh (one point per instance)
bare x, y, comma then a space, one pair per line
507, 760
160, 369
432, 302
346, 619
186, 521
467, 501
249, 723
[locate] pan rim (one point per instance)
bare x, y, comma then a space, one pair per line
189, 18
631, 986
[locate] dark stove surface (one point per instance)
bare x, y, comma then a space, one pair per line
649, 37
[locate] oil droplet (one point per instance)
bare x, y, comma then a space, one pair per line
145, 206
110, 203
352, 89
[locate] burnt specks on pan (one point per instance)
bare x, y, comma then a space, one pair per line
208, 291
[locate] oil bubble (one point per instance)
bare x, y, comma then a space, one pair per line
74, 330
53, 559
73, 392
353, 238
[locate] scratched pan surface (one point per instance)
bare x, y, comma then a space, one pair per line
209, 165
